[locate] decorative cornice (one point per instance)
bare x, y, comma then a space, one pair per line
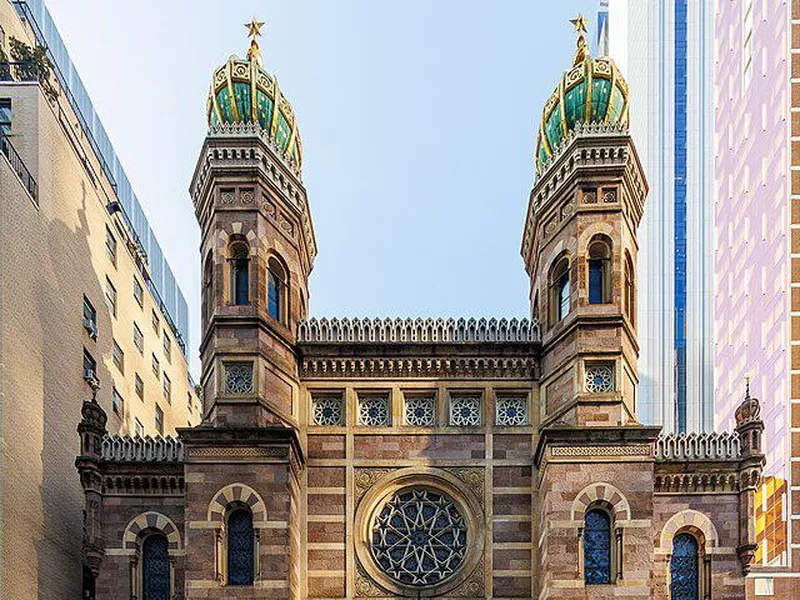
410, 331
592, 451
698, 446
484, 367
118, 448
248, 129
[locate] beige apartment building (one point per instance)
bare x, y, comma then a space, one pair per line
78, 308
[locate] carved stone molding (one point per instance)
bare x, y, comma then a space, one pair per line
365, 479
238, 452
474, 586
366, 586
600, 451
474, 478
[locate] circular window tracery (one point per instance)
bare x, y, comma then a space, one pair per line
419, 537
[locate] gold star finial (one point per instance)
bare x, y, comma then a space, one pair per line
582, 51
254, 28
253, 31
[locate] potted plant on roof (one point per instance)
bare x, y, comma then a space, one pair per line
32, 64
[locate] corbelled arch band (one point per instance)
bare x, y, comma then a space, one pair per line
438, 480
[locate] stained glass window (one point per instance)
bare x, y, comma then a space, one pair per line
597, 547
240, 273
276, 290
155, 568
419, 537
241, 540
683, 568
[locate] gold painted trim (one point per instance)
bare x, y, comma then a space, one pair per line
588, 76
253, 92
276, 107
288, 149
561, 110
215, 104
611, 93
229, 75
545, 141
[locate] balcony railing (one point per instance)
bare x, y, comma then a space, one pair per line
18, 71
19, 167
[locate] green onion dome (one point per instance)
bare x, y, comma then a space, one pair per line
243, 92
592, 91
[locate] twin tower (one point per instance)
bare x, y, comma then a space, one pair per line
451, 458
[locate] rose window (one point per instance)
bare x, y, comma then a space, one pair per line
420, 411
373, 412
328, 411
465, 411
239, 378
419, 537
599, 379
512, 411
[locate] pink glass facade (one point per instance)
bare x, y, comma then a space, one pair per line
753, 250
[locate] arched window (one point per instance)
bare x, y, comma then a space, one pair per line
597, 547
155, 568
684, 568
599, 272
239, 256
241, 547
630, 290
276, 290
208, 287
559, 291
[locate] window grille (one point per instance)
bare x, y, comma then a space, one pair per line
465, 411
684, 568
241, 543
155, 568
239, 378
373, 411
327, 410
597, 547
420, 411
511, 411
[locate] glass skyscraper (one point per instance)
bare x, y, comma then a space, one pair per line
664, 47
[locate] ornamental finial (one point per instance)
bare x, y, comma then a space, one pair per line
747, 387
253, 31
582, 50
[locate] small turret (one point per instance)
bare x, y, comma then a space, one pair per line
749, 426
92, 430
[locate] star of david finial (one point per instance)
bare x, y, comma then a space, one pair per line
254, 28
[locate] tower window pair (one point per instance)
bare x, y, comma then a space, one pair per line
277, 281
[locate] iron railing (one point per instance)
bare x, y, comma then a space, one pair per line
19, 168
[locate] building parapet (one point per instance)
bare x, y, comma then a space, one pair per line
442, 330
118, 448
698, 446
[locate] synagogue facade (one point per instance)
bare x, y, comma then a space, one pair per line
451, 458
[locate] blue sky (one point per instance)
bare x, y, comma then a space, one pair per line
418, 122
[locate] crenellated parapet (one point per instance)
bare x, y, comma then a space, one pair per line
450, 331
698, 446
119, 448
